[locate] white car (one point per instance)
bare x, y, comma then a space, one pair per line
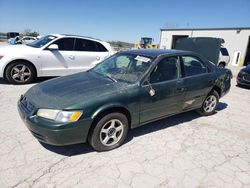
27, 39
51, 55
224, 58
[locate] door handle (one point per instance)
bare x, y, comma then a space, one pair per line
97, 58
72, 57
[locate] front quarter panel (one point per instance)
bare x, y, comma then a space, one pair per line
126, 98
31, 56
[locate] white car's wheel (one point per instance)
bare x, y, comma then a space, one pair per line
20, 72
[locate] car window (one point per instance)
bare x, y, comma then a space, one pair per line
167, 69
42, 41
85, 45
122, 62
100, 47
193, 66
224, 51
65, 44
124, 67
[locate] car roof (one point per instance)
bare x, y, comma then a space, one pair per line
156, 52
78, 36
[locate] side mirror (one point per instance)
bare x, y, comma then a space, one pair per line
53, 47
151, 89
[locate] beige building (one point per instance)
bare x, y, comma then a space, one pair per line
237, 40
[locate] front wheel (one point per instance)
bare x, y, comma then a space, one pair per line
209, 105
110, 132
20, 72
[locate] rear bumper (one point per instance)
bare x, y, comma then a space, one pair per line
55, 133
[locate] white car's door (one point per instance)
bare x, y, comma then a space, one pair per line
88, 53
58, 62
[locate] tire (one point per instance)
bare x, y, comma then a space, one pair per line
221, 65
110, 132
209, 105
20, 72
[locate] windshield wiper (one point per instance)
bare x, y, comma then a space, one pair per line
109, 77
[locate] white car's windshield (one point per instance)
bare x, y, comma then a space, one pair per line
124, 67
42, 41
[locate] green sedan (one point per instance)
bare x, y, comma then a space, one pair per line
125, 91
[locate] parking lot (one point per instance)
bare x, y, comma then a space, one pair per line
185, 150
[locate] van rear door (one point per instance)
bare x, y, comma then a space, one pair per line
208, 47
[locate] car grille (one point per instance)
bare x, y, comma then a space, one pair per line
27, 106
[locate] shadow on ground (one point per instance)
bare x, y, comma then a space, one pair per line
78, 149
243, 87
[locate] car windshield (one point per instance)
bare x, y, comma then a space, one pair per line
42, 41
124, 67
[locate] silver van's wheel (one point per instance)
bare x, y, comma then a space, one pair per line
20, 73
109, 132
209, 105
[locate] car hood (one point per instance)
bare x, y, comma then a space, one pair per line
10, 49
208, 47
67, 91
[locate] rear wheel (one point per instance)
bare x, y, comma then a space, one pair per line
20, 72
209, 105
221, 65
109, 132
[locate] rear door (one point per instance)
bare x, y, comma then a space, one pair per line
88, 53
197, 81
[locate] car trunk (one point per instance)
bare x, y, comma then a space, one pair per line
208, 47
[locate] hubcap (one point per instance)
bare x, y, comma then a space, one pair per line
111, 132
20, 73
210, 103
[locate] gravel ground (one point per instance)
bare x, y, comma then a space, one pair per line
185, 150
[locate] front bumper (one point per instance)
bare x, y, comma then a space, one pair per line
55, 133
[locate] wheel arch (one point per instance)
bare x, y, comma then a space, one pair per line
109, 109
223, 63
17, 60
106, 110
217, 89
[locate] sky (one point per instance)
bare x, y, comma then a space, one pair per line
123, 20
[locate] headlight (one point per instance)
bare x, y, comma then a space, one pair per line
59, 115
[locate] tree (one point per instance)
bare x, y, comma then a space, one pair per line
28, 32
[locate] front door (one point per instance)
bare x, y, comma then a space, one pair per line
163, 96
58, 62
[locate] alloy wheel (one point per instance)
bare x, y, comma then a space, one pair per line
20, 73
111, 132
210, 103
